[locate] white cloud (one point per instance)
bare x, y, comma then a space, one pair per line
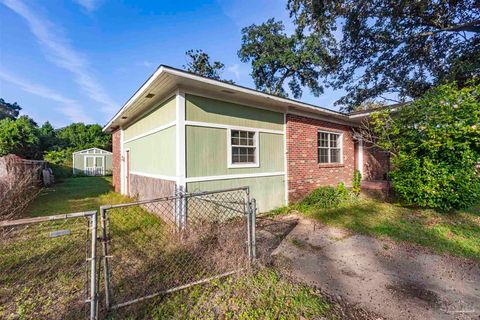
89, 5
70, 107
147, 64
58, 50
235, 69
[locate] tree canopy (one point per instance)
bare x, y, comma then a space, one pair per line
9, 110
389, 47
19, 136
199, 63
278, 59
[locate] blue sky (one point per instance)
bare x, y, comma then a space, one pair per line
81, 60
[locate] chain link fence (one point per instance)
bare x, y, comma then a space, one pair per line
50, 267
46, 265
159, 246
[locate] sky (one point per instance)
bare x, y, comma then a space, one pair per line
80, 60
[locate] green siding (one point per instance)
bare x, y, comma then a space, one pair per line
154, 154
79, 165
161, 115
220, 112
207, 153
268, 191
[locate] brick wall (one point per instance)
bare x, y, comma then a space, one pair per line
376, 164
304, 172
116, 160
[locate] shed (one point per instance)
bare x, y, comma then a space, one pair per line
92, 162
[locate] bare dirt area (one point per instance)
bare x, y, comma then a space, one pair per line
375, 276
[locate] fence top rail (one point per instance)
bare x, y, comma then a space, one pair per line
186, 195
18, 222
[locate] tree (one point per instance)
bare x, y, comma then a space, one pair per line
47, 136
80, 136
435, 145
19, 136
277, 58
199, 63
9, 110
390, 47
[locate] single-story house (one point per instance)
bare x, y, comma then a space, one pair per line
194, 133
92, 162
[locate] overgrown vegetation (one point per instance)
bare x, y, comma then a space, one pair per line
261, 295
435, 145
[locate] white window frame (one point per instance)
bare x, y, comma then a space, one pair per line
230, 163
340, 136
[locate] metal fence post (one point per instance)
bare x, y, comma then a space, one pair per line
106, 269
93, 267
254, 221
249, 231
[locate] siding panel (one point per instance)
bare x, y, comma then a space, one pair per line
154, 154
268, 191
207, 153
220, 112
159, 116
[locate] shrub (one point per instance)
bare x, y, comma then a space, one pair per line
327, 197
60, 161
357, 178
435, 144
439, 185
342, 192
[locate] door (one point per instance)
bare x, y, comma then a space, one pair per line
94, 165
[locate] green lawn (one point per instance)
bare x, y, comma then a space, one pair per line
454, 233
30, 259
74, 195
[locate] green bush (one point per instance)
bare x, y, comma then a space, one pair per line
357, 178
327, 197
435, 144
440, 185
60, 161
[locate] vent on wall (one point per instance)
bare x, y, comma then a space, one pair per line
150, 95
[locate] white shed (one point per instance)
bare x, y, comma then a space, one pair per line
92, 162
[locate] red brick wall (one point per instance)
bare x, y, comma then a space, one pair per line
116, 160
304, 172
375, 164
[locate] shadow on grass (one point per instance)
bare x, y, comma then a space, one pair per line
457, 234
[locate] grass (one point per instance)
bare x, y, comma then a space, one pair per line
261, 295
74, 195
44, 277
455, 233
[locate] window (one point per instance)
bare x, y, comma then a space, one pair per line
329, 147
243, 148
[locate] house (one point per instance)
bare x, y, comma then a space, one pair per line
195, 133
92, 162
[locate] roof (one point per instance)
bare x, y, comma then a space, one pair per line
166, 79
86, 151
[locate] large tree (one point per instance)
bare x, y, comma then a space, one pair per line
19, 136
278, 59
9, 110
198, 62
394, 48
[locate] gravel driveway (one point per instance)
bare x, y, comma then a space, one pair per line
396, 281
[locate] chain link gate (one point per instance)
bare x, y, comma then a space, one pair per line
159, 246
47, 267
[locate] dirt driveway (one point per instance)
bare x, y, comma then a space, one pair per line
396, 281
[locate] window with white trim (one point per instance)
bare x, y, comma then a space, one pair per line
329, 147
243, 148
